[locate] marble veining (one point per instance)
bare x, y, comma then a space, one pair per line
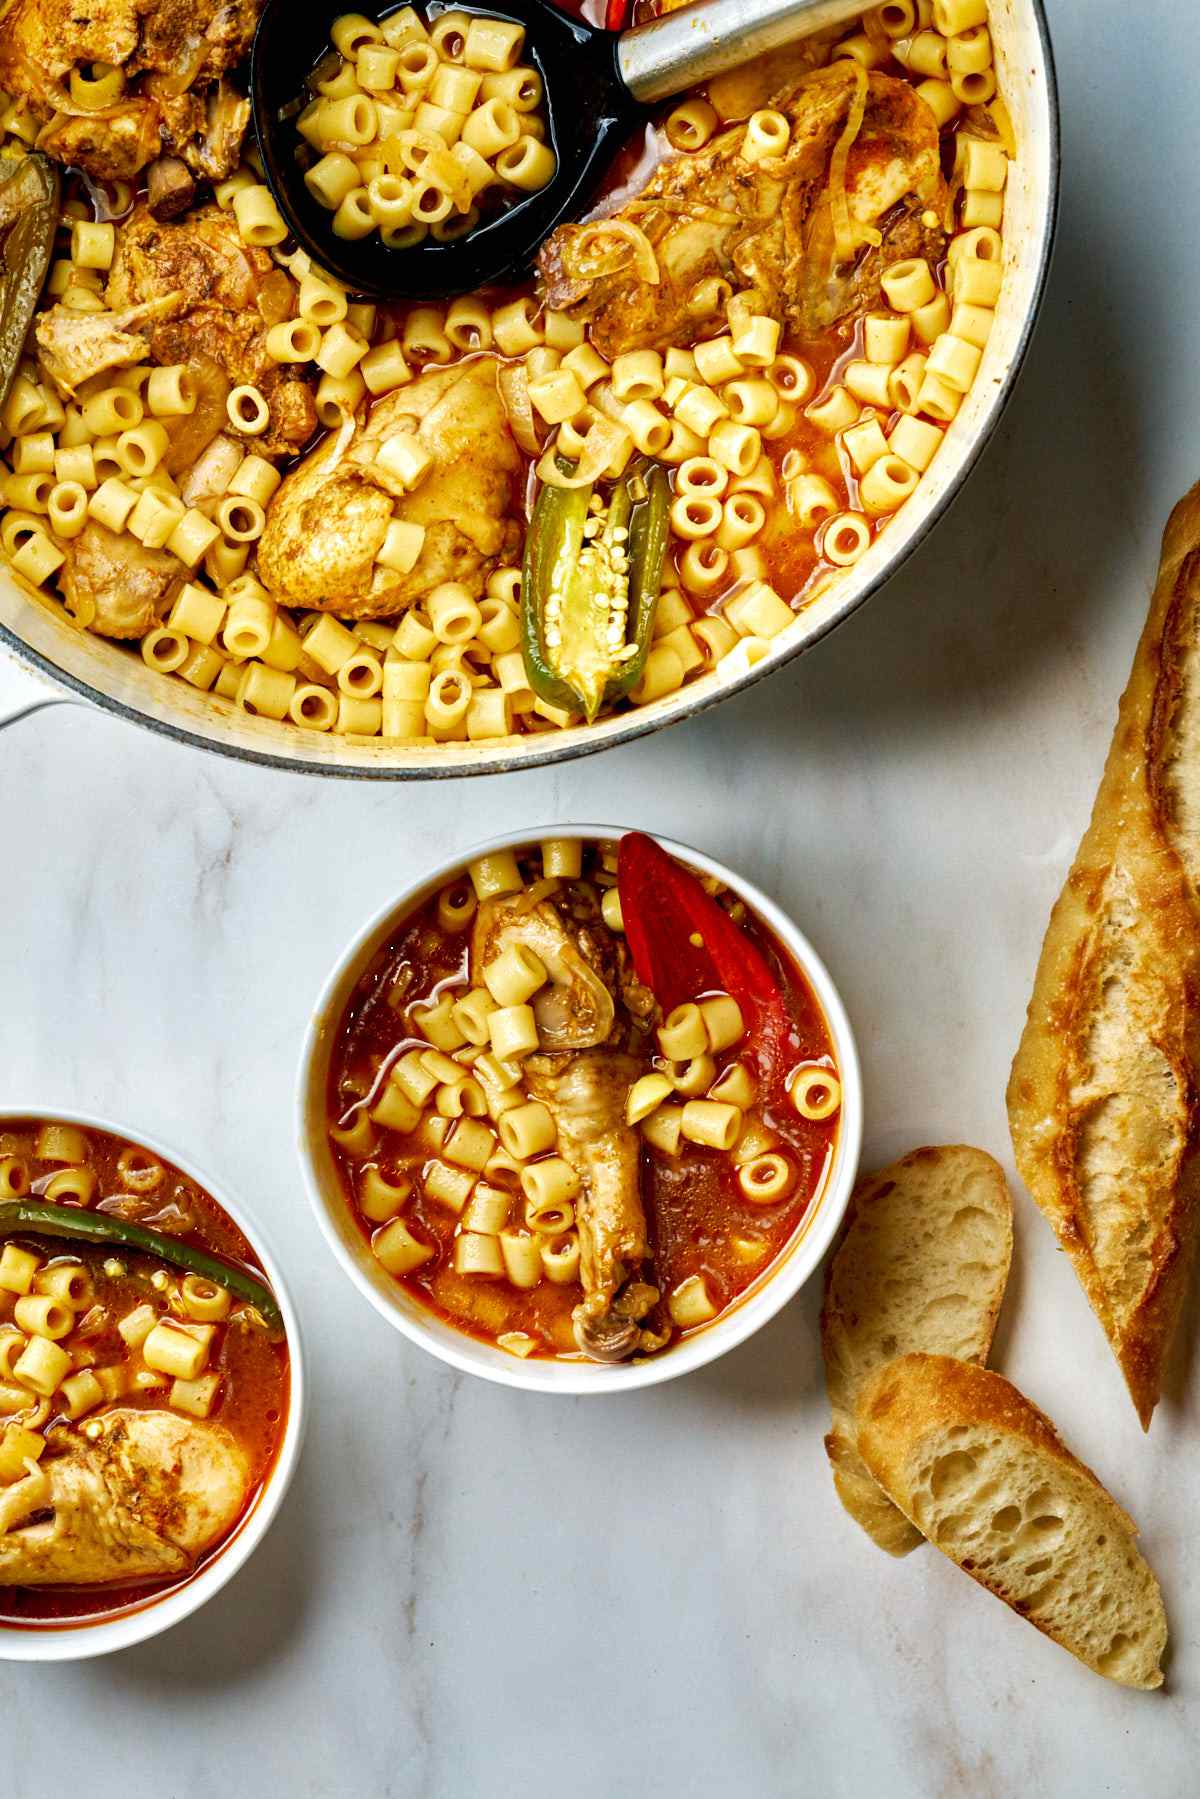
473, 1592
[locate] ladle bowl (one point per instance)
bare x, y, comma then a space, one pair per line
597, 85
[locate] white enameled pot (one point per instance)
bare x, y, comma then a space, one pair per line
81, 666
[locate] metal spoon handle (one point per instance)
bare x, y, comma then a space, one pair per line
681, 48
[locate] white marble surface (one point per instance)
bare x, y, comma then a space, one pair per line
475, 1593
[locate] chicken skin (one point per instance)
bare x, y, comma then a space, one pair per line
141, 1499
327, 522
769, 227
74, 346
586, 1096
174, 55
114, 585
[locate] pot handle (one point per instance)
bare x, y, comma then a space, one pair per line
23, 693
680, 48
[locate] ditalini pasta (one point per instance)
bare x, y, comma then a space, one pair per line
604, 1173
662, 472
421, 129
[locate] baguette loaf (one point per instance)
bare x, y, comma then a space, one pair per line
1102, 1101
986, 1477
922, 1263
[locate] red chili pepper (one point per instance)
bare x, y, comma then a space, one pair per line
684, 944
616, 16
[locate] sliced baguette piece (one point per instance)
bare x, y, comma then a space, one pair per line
987, 1478
922, 1263
1103, 1100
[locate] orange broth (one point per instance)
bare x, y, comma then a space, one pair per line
699, 1221
254, 1393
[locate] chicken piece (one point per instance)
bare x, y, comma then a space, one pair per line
109, 146
768, 227
114, 585
188, 44
74, 346
585, 1087
139, 1501
328, 519
226, 301
170, 188
575, 1009
587, 1097
207, 128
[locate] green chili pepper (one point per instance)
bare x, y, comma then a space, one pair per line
29, 212
44, 1220
575, 589
552, 550
648, 530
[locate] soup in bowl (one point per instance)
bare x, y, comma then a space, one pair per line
151, 1398
580, 1113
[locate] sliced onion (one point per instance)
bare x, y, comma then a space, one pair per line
441, 167
533, 896
844, 236
637, 250
168, 86
514, 391
603, 443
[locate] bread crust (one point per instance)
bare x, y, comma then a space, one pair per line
903, 1276
1102, 1100
920, 1406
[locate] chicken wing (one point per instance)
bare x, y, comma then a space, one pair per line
327, 521
139, 1500
768, 226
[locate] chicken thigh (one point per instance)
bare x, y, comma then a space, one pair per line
774, 227
139, 1500
328, 520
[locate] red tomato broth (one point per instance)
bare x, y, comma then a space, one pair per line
254, 1396
693, 1203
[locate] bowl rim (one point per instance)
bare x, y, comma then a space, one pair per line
692, 701
84, 1641
790, 1270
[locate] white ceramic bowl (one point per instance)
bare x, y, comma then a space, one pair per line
94, 668
772, 1290
81, 1642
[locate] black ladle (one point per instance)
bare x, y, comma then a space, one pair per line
597, 87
